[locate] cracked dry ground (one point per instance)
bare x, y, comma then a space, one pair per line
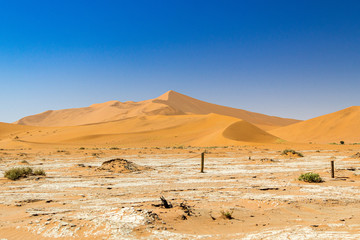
254, 184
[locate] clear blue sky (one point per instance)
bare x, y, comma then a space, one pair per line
297, 59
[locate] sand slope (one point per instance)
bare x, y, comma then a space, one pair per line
159, 130
7, 129
10, 133
170, 103
334, 127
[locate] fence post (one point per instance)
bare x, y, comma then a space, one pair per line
332, 170
202, 162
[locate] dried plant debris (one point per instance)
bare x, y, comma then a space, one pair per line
356, 155
119, 165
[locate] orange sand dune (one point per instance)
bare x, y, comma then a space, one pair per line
7, 129
160, 130
10, 133
334, 127
170, 103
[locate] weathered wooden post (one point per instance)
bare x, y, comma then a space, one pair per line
202, 161
332, 169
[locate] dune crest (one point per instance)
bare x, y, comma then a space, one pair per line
170, 103
343, 125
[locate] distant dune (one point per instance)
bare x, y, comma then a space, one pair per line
159, 130
170, 103
343, 125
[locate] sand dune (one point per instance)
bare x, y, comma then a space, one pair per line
158, 130
191, 105
170, 103
246, 132
334, 127
10, 133
7, 129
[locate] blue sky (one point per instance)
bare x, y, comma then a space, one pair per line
296, 59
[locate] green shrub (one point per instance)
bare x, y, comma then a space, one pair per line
227, 214
40, 172
291, 151
20, 172
13, 174
342, 142
310, 177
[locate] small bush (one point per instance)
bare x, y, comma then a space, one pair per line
342, 142
310, 177
40, 172
291, 151
20, 172
227, 214
179, 147
13, 174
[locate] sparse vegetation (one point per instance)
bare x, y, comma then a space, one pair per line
227, 214
310, 177
18, 172
39, 172
291, 152
21, 172
179, 147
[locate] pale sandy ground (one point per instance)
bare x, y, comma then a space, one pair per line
263, 194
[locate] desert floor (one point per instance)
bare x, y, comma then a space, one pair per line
255, 184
